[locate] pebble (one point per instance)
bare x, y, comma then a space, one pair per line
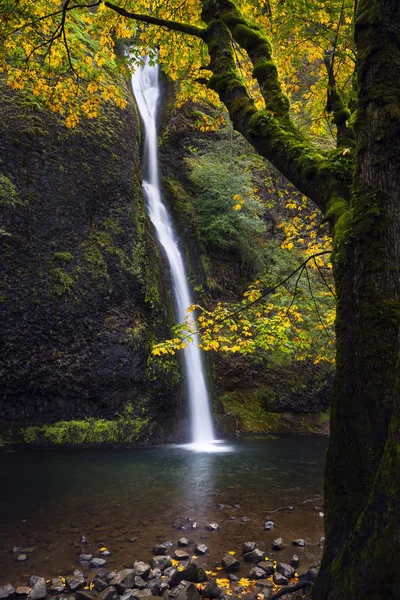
268, 525
299, 542
213, 526
201, 549
278, 544
22, 557
98, 563
183, 542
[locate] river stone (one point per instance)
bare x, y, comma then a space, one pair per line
98, 563
249, 547
181, 555
268, 525
212, 590
201, 549
264, 584
6, 591
183, 542
257, 573
38, 591
300, 542
285, 570
187, 591
154, 573
109, 593
255, 556
84, 595
141, 568
128, 594
267, 566
161, 562
233, 578
85, 557
154, 586
140, 583
189, 571
75, 582
22, 557
161, 550
22, 591
278, 544
34, 579
195, 525
124, 580
309, 575
230, 564
294, 561
99, 584
212, 526
141, 593
280, 579
109, 576
57, 586
321, 542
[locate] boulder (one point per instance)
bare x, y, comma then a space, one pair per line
230, 564
161, 562
201, 549
123, 580
160, 550
187, 591
34, 579
22, 591
212, 590
249, 547
257, 573
98, 584
140, 583
109, 593
280, 579
189, 571
278, 544
38, 591
57, 586
181, 554
84, 595
6, 592
183, 542
85, 557
264, 584
294, 561
98, 563
141, 569
267, 566
75, 582
285, 570
310, 575
255, 556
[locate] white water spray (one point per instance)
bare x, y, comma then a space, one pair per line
146, 90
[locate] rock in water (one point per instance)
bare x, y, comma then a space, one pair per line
191, 571
278, 544
57, 586
201, 549
181, 555
212, 590
255, 556
213, 526
160, 550
285, 570
230, 564
280, 579
161, 562
187, 591
98, 563
267, 566
299, 542
295, 561
183, 542
248, 547
268, 525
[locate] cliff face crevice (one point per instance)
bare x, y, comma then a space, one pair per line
81, 285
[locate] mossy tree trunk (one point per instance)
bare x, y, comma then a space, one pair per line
362, 489
357, 186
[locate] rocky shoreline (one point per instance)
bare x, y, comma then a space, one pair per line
177, 571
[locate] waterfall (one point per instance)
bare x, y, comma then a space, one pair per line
146, 90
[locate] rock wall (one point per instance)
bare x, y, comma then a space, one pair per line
82, 289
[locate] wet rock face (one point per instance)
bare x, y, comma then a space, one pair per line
74, 267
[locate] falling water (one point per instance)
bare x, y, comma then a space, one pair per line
146, 90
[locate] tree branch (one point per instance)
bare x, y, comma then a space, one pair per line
173, 25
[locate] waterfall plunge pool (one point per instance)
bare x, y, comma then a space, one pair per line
51, 498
